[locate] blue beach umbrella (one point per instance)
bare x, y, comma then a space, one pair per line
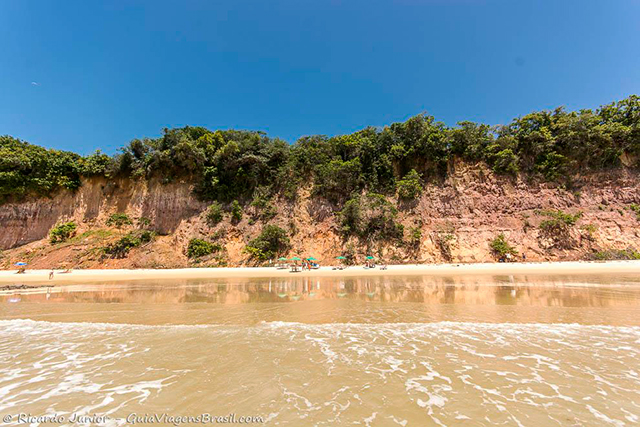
21, 264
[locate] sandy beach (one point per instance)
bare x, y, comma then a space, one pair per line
579, 267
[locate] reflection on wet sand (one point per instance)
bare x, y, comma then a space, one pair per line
503, 290
554, 299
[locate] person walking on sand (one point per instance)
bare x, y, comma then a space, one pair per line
51, 274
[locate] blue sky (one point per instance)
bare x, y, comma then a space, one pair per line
82, 75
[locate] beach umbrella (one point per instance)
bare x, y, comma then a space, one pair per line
311, 259
282, 258
369, 257
340, 257
295, 258
21, 264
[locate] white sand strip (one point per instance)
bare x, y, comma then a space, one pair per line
579, 267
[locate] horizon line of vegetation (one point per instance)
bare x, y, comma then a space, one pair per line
228, 165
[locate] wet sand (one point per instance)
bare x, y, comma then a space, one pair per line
578, 267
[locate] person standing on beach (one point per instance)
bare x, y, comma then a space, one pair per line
51, 274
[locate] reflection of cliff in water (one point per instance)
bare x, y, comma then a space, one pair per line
561, 291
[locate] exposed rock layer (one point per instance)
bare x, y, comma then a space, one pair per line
473, 205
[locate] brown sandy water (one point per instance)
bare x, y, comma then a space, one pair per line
370, 351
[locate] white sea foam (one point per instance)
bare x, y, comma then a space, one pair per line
436, 372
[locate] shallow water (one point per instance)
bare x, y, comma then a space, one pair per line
377, 351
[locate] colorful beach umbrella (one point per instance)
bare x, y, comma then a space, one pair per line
21, 264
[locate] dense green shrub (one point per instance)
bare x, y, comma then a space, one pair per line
62, 232
409, 187
214, 213
198, 248
271, 242
122, 247
119, 220
501, 247
636, 209
97, 164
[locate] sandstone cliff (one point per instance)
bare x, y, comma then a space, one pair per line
471, 207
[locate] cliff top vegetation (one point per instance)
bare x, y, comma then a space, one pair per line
227, 165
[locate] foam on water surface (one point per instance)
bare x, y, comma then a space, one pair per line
438, 373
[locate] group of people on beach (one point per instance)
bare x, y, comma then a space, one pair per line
308, 264
511, 258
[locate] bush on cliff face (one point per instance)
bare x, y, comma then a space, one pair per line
122, 247
214, 213
371, 217
62, 232
236, 212
198, 248
409, 187
559, 221
119, 220
271, 242
558, 227
615, 254
501, 247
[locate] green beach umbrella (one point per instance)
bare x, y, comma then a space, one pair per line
295, 258
311, 258
282, 258
369, 257
340, 257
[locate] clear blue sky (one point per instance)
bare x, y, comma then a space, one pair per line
106, 72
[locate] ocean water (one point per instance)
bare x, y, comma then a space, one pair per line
419, 351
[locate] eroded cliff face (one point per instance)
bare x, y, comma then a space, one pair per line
471, 207
165, 205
